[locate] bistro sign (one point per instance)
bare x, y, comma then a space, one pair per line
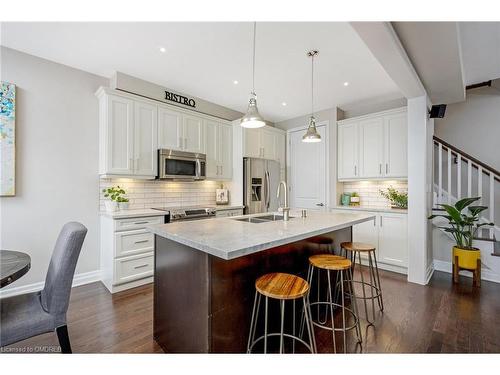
180, 99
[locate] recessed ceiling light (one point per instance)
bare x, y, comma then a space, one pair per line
346, 83
235, 82
163, 49
283, 104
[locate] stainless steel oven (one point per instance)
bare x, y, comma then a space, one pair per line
181, 165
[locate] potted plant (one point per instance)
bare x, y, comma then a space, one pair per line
116, 199
463, 227
398, 200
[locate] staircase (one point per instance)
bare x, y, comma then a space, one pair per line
458, 175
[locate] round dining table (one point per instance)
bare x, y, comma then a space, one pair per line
13, 265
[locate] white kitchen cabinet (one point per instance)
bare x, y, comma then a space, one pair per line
169, 129
192, 134
389, 234
116, 135
145, 139
371, 146
396, 145
218, 148
393, 239
128, 135
266, 143
348, 151
127, 251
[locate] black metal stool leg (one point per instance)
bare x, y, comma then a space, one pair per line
380, 299
372, 282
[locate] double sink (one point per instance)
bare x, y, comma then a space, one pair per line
262, 219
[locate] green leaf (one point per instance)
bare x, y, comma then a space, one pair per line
476, 210
445, 216
453, 212
462, 203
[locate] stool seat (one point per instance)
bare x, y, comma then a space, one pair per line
330, 262
282, 286
321, 240
357, 246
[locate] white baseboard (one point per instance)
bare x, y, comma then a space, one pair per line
441, 265
79, 279
429, 272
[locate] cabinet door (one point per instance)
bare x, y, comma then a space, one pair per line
396, 145
348, 151
371, 147
268, 144
120, 133
169, 129
251, 144
146, 139
366, 232
193, 134
212, 149
280, 149
225, 151
393, 239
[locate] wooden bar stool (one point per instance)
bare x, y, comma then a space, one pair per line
355, 249
342, 266
281, 287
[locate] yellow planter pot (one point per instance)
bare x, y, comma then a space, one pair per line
467, 259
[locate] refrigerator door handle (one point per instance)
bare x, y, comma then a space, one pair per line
268, 187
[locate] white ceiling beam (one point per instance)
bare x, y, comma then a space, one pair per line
384, 44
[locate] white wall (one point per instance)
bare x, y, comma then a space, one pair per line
474, 125
57, 161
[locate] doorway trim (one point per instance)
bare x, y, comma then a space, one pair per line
326, 124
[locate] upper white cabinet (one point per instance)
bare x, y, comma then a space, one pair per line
180, 131
348, 151
266, 143
218, 148
127, 136
132, 129
373, 146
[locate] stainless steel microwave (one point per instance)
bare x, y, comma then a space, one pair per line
181, 165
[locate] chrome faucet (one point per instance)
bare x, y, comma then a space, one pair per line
286, 208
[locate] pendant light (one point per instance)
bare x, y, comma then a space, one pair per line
253, 119
312, 134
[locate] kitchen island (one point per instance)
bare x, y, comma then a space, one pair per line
205, 273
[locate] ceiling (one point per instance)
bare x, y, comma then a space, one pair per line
480, 50
203, 60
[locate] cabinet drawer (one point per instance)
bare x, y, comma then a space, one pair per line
137, 223
133, 242
133, 268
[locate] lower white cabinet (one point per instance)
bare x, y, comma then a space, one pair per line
389, 234
127, 252
229, 212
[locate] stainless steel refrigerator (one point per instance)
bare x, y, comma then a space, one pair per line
260, 183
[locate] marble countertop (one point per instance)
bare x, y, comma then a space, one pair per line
371, 209
227, 238
150, 212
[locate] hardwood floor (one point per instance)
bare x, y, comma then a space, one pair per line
438, 318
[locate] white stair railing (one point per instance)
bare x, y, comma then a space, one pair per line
452, 170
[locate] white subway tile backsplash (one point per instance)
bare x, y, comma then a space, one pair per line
369, 191
154, 193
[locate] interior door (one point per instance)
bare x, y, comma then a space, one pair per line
396, 146
212, 148
308, 171
146, 139
193, 134
169, 129
371, 146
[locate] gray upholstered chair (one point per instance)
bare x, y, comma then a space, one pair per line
32, 314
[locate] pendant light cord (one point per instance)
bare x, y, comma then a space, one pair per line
253, 64
312, 85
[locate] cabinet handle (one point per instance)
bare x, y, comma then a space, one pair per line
380, 220
355, 171
142, 241
221, 170
386, 168
141, 222
375, 221
141, 266
380, 169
